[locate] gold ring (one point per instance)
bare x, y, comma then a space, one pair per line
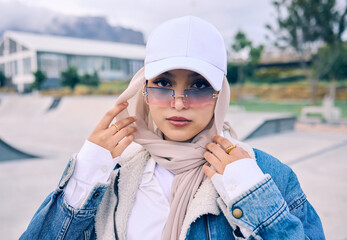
228, 149
117, 128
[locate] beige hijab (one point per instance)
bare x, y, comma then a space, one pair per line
185, 160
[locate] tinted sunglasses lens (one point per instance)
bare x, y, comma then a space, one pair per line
159, 96
199, 97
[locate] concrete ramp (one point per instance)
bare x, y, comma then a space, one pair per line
8, 153
24, 106
84, 110
249, 125
26, 123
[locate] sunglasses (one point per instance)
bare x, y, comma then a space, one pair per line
165, 97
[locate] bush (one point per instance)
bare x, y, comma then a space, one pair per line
90, 80
339, 69
70, 77
232, 73
277, 75
40, 78
2, 79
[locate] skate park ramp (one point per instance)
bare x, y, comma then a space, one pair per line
9, 153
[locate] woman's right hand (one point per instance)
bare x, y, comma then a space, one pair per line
115, 139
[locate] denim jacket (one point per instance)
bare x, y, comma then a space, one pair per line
275, 208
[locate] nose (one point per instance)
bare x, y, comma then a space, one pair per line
178, 102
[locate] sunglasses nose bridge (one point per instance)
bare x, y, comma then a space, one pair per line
182, 96
179, 96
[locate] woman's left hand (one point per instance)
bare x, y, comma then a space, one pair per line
218, 158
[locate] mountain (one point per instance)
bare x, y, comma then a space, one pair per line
20, 17
96, 28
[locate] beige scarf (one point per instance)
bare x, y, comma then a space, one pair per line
185, 160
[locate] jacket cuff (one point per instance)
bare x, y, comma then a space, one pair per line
94, 197
260, 205
69, 169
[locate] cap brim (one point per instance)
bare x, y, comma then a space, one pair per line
212, 74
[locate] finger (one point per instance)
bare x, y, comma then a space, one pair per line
217, 151
120, 124
243, 151
118, 150
208, 171
122, 134
223, 142
215, 162
110, 115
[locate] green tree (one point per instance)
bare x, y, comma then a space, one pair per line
91, 80
70, 77
338, 71
306, 24
240, 44
254, 58
232, 73
40, 78
2, 79
244, 66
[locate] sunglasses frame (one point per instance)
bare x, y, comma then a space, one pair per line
184, 96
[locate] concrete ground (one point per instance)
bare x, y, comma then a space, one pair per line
318, 158
320, 162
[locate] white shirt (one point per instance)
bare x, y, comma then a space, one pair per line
95, 164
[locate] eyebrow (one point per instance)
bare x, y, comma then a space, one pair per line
194, 74
168, 74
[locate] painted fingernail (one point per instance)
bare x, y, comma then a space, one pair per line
134, 117
125, 103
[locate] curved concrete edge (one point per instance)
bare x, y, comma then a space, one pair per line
273, 126
247, 124
9, 153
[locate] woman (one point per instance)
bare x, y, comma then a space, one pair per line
174, 109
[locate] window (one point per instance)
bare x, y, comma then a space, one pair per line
26, 65
52, 64
13, 46
116, 64
2, 48
13, 68
134, 66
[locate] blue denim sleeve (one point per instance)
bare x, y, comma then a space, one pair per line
55, 219
287, 183
302, 209
276, 207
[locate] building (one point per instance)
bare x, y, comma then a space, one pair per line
21, 54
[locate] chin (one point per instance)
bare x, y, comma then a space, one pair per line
178, 137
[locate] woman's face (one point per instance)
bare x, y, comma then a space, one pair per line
179, 120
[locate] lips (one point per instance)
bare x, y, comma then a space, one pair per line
178, 121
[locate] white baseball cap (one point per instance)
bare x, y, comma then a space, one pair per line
187, 43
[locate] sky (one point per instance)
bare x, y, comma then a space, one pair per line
228, 16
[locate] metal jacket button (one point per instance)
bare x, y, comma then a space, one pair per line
237, 213
96, 195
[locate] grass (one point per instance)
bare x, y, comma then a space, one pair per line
118, 85
343, 106
105, 88
287, 107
